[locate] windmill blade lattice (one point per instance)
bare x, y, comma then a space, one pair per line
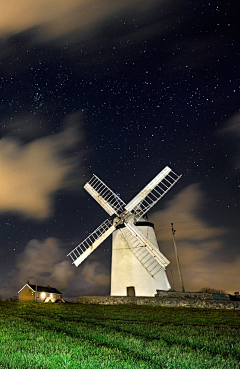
140, 251
105, 196
85, 248
152, 193
161, 259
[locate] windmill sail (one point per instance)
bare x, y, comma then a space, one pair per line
152, 193
110, 202
141, 253
85, 248
160, 258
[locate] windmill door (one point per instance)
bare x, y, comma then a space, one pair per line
131, 291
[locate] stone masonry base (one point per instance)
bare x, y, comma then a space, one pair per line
170, 299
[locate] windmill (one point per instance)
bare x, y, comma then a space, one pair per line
136, 259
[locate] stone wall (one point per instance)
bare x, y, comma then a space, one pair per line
192, 295
171, 299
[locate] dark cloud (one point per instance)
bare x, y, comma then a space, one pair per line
25, 127
231, 134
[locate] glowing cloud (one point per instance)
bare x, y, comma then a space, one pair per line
59, 17
31, 173
199, 244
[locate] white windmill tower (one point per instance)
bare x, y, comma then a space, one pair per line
136, 259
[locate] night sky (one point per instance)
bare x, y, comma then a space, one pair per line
119, 89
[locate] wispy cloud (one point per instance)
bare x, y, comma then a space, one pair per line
204, 256
58, 17
231, 131
31, 173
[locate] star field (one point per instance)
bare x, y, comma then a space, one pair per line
133, 91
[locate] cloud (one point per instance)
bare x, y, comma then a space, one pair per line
204, 256
95, 273
59, 17
31, 173
46, 262
203, 253
233, 125
25, 127
43, 262
232, 129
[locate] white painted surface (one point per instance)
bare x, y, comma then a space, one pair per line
93, 247
127, 271
106, 206
145, 191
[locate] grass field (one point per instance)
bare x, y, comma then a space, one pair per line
36, 335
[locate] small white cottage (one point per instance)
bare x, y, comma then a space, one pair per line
33, 292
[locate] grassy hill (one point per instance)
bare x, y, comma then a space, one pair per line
36, 335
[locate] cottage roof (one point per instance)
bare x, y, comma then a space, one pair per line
46, 289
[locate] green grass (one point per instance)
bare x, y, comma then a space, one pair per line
36, 335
